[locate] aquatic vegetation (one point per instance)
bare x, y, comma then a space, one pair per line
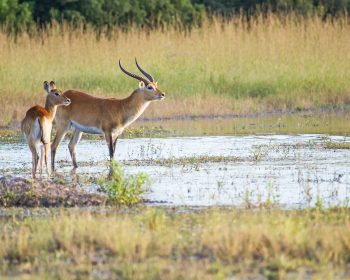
122, 188
329, 144
192, 161
259, 152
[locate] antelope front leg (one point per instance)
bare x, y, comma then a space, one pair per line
110, 143
60, 134
114, 145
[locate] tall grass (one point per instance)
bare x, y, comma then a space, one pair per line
154, 244
221, 67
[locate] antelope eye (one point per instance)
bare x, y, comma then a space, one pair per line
57, 94
150, 87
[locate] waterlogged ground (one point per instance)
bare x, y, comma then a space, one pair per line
288, 170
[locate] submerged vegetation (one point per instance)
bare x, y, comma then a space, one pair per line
155, 243
221, 67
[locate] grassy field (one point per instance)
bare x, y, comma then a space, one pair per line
152, 243
219, 68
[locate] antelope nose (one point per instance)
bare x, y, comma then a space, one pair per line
68, 100
162, 94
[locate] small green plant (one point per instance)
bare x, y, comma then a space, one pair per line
8, 198
123, 189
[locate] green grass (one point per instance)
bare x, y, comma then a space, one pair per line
336, 145
121, 188
314, 122
218, 68
155, 243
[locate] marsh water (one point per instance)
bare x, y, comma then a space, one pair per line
239, 162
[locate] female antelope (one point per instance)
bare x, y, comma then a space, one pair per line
107, 116
37, 125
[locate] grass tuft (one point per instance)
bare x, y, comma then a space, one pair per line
123, 189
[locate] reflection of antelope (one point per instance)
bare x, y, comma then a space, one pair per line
108, 116
37, 125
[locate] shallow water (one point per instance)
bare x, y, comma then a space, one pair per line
292, 171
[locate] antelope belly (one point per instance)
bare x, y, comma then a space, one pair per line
36, 132
86, 129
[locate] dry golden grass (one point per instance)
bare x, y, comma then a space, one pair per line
221, 67
158, 244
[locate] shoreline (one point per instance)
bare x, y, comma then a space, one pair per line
323, 120
15, 125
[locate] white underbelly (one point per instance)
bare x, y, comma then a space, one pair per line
86, 129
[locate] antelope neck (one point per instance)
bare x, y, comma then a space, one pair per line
133, 106
50, 108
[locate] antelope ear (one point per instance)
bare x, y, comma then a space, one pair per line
141, 84
52, 85
47, 87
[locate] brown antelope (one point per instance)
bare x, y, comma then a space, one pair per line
37, 125
107, 116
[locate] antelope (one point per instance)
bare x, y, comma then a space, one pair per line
105, 116
37, 125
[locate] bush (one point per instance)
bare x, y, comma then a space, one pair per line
122, 13
104, 15
122, 189
15, 16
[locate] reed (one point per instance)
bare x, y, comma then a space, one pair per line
219, 68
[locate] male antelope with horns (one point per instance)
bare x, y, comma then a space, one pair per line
107, 116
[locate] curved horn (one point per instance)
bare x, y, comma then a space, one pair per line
148, 76
137, 77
